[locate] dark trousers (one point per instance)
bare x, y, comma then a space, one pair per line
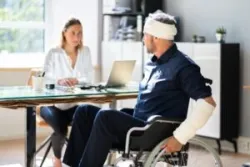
93, 133
59, 120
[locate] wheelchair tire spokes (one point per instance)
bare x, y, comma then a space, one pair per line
196, 154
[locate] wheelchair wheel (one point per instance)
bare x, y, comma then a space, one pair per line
195, 154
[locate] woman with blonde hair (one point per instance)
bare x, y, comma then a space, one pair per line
67, 65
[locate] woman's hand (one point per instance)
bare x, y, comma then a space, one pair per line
68, 82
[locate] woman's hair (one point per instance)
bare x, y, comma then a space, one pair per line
70, 23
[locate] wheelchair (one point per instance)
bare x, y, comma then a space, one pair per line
143, 148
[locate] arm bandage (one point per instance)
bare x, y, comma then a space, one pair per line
195, 120
160, 30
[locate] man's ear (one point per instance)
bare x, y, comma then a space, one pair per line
155, 39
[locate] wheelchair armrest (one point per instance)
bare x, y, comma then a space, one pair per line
156, 129
158, 118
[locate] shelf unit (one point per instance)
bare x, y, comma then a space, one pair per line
116, 23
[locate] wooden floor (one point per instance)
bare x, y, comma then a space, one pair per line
12, 155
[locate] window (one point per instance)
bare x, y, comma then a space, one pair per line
22, 28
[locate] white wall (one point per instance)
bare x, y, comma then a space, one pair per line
12, 122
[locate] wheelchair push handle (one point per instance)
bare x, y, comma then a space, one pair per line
208, 81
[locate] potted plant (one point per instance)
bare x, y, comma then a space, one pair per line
220, 34
194, 38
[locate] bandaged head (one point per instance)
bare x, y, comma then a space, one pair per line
158, 29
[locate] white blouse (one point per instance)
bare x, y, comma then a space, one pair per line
58, 66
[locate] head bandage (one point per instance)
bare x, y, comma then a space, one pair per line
159, 30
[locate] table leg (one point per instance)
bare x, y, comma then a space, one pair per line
113, 105
30, 145
112, 155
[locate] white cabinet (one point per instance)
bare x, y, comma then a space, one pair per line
111, 51
115, 50
208, 58
186, 48
133, 51
219, 62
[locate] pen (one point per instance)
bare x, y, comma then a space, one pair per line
43, 74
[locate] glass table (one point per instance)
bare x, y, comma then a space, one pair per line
24, 97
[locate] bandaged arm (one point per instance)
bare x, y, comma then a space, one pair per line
195, 120
193, 84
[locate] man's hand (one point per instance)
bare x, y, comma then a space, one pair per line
210, 100
68, 82
172, 145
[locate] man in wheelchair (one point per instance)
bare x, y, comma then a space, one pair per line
171, 79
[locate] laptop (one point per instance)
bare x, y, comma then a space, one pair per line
121, 73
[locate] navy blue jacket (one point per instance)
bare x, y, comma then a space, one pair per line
168, 84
